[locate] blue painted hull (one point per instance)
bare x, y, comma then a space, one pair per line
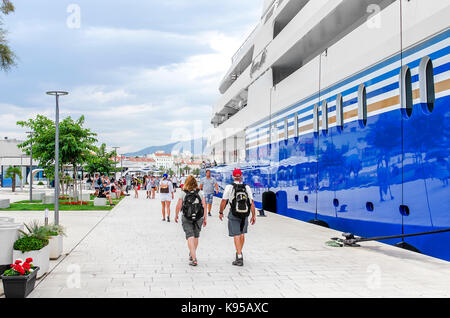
389, 177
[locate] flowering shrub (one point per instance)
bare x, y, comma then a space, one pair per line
74, 203
20, 268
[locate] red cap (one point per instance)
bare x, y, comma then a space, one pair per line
237, 173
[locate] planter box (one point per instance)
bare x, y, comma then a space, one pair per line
40, 258
4, 204
55, 244
19, 286
9, 233
6, 220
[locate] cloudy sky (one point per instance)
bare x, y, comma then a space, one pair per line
137, 69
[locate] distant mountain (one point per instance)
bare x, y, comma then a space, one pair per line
195, 146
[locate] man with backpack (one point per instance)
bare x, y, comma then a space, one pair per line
240, 197
193, 205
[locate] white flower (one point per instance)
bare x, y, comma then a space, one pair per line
31, 270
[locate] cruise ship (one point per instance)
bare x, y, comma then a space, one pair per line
337, 112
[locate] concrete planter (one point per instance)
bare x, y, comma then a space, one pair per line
6, 220
19, 286
9, 233
40, 258
55, 244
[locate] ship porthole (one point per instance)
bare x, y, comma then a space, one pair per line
426, 82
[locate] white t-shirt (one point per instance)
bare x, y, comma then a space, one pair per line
183, 180
229, 189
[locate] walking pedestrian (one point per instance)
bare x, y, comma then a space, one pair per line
193, 206
241, 204
135, 185
174, 183
208, 184
166, 196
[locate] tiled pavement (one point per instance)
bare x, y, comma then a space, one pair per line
132, 253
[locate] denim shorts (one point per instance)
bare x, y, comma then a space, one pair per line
209, 198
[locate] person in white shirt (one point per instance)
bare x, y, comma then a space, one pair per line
237, 226
174, 183
166, 196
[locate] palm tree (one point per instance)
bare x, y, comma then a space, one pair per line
12, 172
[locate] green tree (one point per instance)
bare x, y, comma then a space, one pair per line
12, 172
7, 56
196, 172
75, 143
100, 161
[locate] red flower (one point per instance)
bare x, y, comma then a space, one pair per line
26, 267
28, 260
18, 262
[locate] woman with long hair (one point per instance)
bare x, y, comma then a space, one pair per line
192, 202
166, 196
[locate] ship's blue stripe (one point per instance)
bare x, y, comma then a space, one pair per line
396, 58
438, 70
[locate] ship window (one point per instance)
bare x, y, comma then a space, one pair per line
286, 129
325, 116
296, 125
339, 111
316, 118
426, 79
406, 97
362, 105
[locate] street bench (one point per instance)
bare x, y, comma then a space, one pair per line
5, 204
100, 202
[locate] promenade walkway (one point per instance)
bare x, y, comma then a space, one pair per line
132, 253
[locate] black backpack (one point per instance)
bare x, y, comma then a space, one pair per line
192, 206
240, 204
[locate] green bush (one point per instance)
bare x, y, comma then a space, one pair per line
40, 183
29, 243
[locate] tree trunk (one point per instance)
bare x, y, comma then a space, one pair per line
75, 174
13, 183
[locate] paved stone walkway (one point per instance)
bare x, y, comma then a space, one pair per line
132, 253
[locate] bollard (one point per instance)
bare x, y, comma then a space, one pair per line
46, 216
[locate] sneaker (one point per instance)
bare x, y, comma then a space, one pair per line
164, 220
168, 219
238, 261
209, 213
190, 257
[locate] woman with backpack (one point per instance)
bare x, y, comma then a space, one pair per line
193, 205
166, 196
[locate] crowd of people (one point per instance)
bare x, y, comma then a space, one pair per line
195, 204
109, 187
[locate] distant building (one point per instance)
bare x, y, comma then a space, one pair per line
162, 159
12, 155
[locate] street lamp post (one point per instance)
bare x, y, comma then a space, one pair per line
57, 94
31, 165
115, 162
